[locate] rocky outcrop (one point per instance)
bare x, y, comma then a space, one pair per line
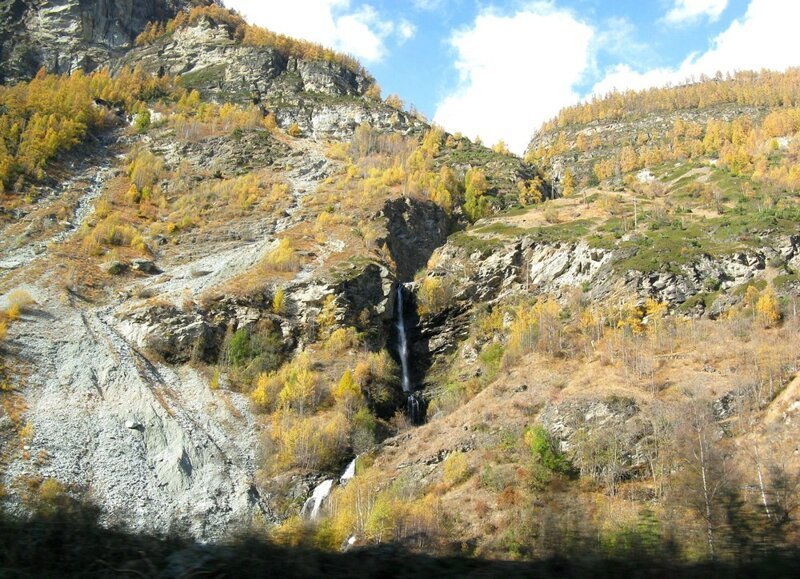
607, 439
363, 297
65, 35
323, 98
321, 119
209, 58
415, 230
483, 270
150, 443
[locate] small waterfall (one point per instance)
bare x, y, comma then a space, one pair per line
402, 345
349, 472
314, 502
413, 409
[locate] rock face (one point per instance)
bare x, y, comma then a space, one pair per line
599, 427
151, 443
208, 57
523, 265
64, 35
211, 60
416, 230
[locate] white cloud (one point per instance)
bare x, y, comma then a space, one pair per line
690, 10
515, 72
764, 38
405, 30
360, 31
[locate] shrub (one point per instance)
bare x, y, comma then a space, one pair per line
341, 340
433, 296
279, 302
455, 469
215, 380
767, 310
310, 443
300, 392
283, 257
537, 327
12, 313
248, 353
20, 299
347, 394
145, 171
265, 393
544, 450
269, 122
364, 431
239, 350
294, 130
142, 121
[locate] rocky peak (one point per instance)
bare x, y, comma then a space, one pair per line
63, 35
209, 58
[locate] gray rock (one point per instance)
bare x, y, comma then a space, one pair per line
145, 266
116, 267
64, 35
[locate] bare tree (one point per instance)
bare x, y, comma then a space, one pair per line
706, 470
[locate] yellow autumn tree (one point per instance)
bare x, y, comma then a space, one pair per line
767, 309
279, 301
568, 184
283, 258
347, 394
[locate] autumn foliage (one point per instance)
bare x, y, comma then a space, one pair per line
52, 114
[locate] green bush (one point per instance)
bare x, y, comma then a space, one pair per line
248, 353
545, 452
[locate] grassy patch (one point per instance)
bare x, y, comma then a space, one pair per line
504, 229
785, 281
472, 243
668, 247
201, 79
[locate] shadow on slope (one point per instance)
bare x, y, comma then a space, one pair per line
67, 541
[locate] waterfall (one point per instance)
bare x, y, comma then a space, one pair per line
402, 345
413, 409
349, 472
413, 404
314, 502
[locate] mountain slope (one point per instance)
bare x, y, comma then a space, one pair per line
188, 247
204, 268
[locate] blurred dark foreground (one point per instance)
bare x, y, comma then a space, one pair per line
69, 542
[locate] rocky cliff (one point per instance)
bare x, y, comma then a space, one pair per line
479, 269
65, 35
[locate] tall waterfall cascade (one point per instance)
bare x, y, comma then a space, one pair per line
313, 504
402, 342
413, 404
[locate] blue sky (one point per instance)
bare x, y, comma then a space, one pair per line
499, 68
